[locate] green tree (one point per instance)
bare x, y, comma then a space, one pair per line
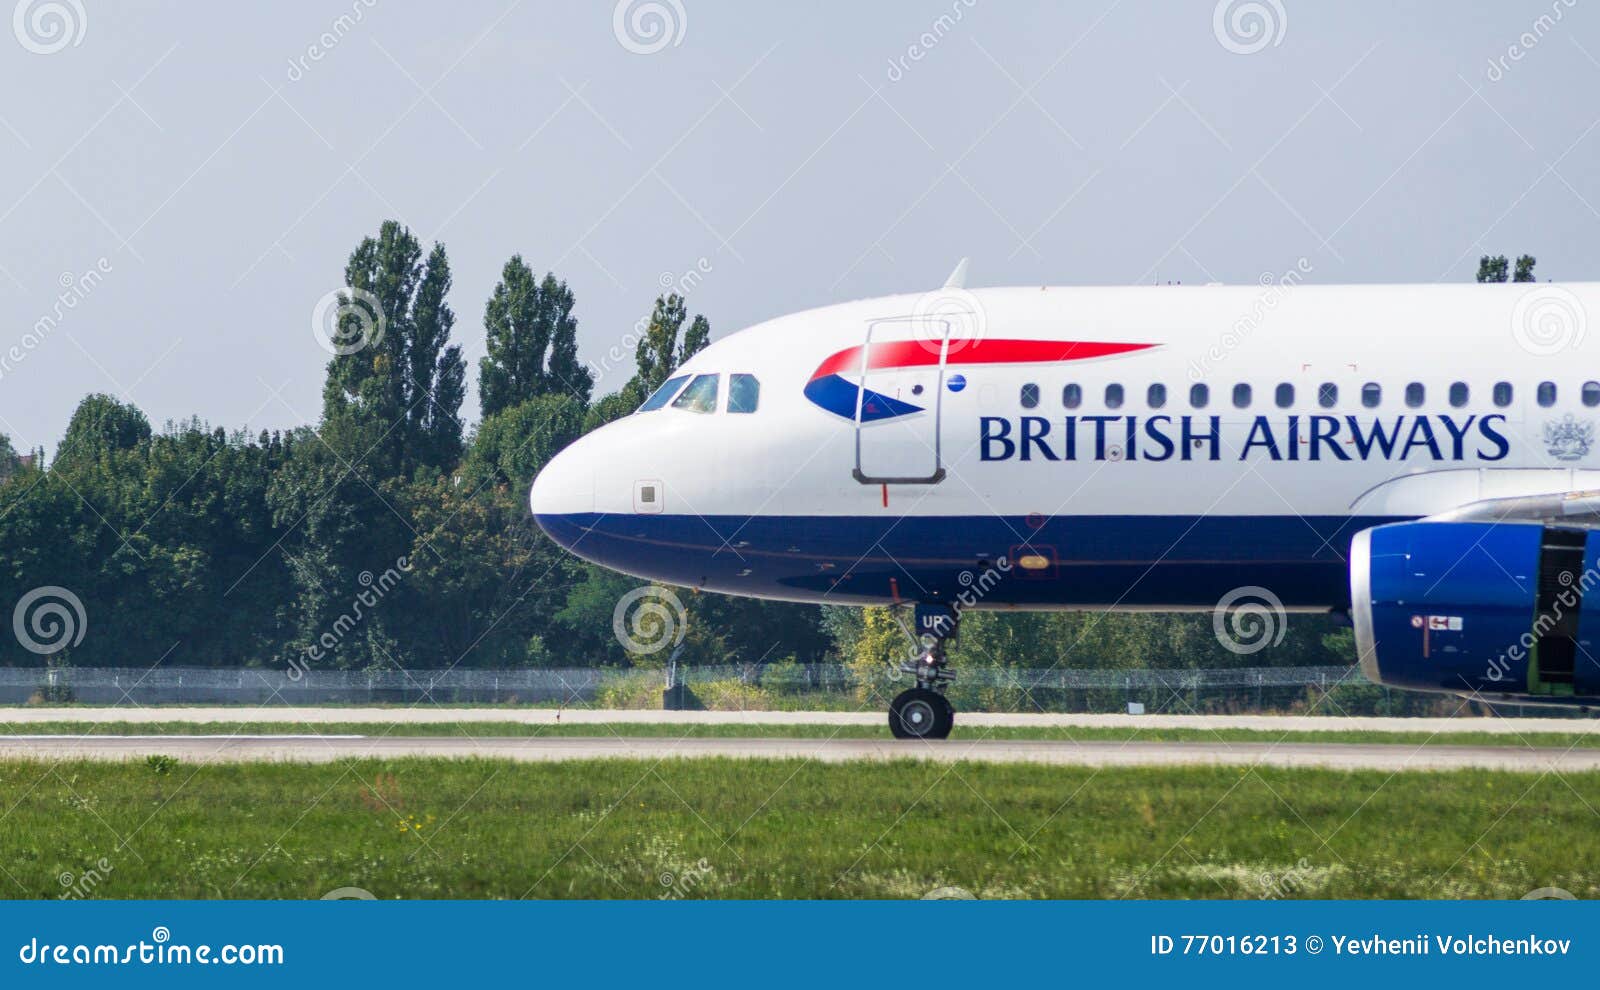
660, 351
437, 375
99, 427
512, 445
390, 422
613, 407
9, 461
658, 354
1492, 269
532, 341
396, 395
154, 535
1524, 269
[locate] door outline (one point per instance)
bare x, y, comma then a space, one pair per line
938, 405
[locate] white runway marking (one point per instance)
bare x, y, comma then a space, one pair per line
1341, 756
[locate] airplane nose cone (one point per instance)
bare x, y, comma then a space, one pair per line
562, 491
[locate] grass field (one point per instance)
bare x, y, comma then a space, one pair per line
724, 828
1561, 740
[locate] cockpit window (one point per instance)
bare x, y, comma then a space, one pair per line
664, 394
744, 393
700, 396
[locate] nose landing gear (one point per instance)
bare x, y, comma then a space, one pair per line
923, 712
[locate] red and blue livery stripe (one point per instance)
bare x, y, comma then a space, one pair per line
830, 390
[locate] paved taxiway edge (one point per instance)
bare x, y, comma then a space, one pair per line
592, 716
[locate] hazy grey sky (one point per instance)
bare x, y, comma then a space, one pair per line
217, 163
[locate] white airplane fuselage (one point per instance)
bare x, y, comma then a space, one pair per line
1062, 432
1421, 457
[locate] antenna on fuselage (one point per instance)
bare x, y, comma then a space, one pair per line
958, 278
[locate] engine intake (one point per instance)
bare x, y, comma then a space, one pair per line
1507, 610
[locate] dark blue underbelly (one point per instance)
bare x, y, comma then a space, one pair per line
1184, 562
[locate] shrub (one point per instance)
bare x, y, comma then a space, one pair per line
732, 695
631, 689
786, 676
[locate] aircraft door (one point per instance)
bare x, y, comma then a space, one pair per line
898, 406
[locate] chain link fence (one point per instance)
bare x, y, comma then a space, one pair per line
736, 686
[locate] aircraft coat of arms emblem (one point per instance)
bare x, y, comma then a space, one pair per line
1567, 439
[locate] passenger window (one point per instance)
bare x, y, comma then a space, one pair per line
700, 396
1502, 394
1030, 396
1241, 396
664, 394
1072, 396
1156, 396
1284, 396
1113, 396
1199, 395
1591, 393
1458, 394
744, 393
1327, 395
1546, 394
1371, 395
1414, 394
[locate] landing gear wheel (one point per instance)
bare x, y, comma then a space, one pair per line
921, 714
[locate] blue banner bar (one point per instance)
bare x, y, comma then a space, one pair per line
766, 943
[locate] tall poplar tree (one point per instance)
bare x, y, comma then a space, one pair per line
532, 340
400, 384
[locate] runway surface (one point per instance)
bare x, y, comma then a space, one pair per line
316, 749
592, 716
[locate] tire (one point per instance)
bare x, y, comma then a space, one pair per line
949, 720
920, 714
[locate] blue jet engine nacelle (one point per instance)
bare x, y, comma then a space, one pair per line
1506, 611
